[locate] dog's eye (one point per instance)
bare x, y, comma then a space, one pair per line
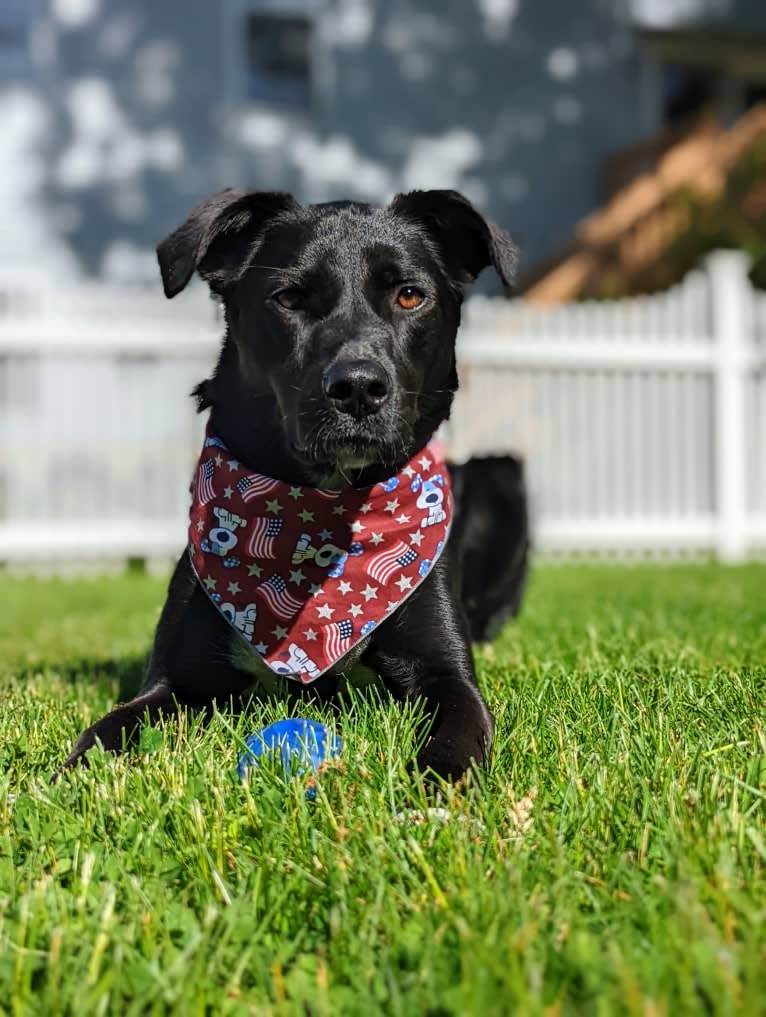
289, 299
410, 297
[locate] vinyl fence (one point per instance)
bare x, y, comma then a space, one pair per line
642, 421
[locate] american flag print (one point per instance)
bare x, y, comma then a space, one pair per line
282, 603
205, 491
337, 638
254, 485
307, 611
262, 537
382, 566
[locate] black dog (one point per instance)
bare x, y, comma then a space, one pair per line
338, 364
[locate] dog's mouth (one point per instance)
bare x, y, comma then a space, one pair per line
343, 455
339, 447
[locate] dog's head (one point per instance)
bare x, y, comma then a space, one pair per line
343, 314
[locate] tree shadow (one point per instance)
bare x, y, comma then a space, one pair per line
336, 693
127, 672
144, 110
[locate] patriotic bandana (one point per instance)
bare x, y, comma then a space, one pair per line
304, 574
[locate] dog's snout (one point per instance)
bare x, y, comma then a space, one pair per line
357, 387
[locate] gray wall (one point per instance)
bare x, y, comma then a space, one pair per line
136, 112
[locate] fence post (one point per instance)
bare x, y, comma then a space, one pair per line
731, 315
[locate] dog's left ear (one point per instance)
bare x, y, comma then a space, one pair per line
217, 236
468, 241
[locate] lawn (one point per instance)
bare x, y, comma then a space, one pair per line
611, 860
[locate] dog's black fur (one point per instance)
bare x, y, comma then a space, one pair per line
324, 378
490, 532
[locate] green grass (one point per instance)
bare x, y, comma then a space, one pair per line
612, 859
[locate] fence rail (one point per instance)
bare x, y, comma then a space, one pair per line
642, 421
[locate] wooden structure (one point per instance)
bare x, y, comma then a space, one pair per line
614, 251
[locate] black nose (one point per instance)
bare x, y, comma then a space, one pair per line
357, 387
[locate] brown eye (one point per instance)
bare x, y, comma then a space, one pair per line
289, 299
409, 297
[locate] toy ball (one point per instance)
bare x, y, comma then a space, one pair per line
302, 745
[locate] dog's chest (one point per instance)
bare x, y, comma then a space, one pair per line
245, 658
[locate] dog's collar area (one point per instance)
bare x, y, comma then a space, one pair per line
304, 574
345, 473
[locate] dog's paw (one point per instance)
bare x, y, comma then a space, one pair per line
77, 757
113, 733
446, 760
451, 759
74, 760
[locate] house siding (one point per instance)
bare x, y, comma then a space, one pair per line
135, 110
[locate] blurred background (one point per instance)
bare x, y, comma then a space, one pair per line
621, 142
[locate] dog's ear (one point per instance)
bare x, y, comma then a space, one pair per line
468, 241
216, 237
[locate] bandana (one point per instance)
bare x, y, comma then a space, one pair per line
304, 574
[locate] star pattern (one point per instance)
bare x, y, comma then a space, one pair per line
278, 567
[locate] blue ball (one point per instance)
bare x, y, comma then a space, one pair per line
302, 745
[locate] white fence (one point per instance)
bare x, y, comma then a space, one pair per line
642, 421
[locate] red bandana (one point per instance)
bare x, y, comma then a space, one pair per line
304, 574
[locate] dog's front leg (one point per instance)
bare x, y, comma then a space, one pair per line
423, 652
120, 728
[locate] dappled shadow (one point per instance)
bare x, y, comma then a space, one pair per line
126, 672
140, 109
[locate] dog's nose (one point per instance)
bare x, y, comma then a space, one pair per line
357, 387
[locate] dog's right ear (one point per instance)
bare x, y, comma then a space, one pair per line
217, 236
